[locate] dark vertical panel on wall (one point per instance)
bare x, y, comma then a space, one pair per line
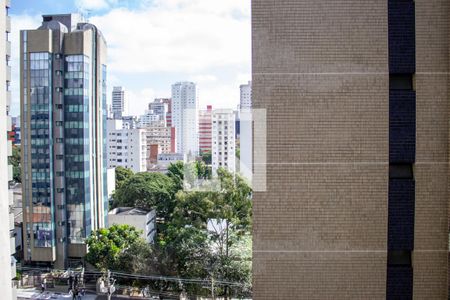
402, 147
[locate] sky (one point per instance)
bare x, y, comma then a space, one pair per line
155, 43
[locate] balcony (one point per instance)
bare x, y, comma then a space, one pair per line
8, 73
8, 100
8, 24
8, 48
10, 172
9, 148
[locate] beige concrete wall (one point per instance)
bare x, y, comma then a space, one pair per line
40, 41
431, 172
320, 68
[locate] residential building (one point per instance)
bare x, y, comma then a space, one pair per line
165, 159
160, 107
129, 122
246, 131
63, 116
357, 149
205, 128
119, 104
126, 147
143, 220
223, 140
159, 141
245, 95
185, 117
149, 119
7, 261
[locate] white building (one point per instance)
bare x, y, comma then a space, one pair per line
126, 147
160, 107
165, 159
223, 140
246, 131
185, 117
246, 95
139, 218
119, 105
149, 119
7, 262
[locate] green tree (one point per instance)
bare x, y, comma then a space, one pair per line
106, 245
196, 249
147, 191
122, 174
14, 160
207, 157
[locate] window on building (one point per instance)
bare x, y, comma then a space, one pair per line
401, 81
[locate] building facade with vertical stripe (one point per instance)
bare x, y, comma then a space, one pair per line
357, 101
63, 116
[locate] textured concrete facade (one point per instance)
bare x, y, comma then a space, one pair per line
321, 70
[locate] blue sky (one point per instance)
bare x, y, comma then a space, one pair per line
154, 43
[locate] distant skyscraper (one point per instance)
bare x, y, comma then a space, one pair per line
63, 110
245, 131
205, 128
246, 95
356, 95
223, 140
7, 263
185, 117
160, 107
119, 104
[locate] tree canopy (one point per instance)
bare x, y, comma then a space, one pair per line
200, 234
106, 245
122, 174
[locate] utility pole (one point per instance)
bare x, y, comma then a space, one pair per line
226, 254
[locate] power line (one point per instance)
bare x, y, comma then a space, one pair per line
139, 276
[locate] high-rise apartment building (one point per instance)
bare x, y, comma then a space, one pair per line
357, 102
223, 140
245, 95
7, 262
160, 107
185, 117
63, 115
246, 131
126, 147
119, 104
204, 129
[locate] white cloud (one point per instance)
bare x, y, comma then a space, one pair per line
138, 100
203, 78
92, 4
178, 36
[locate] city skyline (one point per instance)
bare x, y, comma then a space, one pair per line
183, 50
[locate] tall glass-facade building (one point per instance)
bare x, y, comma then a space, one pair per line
63, 109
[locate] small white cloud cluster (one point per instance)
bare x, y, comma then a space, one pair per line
177, 35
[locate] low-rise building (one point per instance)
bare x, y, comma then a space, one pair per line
141, 219
165, 159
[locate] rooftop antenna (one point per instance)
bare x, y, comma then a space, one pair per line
84, 13
88, 15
